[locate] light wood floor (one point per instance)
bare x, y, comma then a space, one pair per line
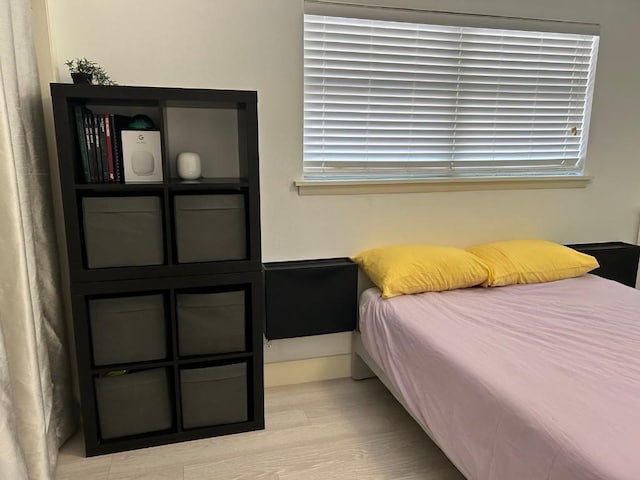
333, 430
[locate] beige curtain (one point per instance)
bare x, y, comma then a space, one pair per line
35, 392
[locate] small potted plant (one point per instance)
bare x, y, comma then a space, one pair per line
87, 71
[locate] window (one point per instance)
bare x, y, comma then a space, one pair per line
391, 99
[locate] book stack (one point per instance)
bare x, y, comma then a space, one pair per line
100, 145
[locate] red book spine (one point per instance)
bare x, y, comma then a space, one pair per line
108, 128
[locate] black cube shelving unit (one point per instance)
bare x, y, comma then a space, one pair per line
167, 340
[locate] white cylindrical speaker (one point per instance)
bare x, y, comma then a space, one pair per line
189, 166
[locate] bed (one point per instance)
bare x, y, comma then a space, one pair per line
523, 382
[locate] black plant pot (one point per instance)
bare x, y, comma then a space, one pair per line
82, 77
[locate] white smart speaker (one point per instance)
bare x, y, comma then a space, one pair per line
189, 166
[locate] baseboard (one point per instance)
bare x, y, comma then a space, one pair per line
307, 370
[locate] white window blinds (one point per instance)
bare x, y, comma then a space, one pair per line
394, 99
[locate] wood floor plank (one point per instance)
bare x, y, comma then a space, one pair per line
172, 472
387, 455
73, 465
286, 419
83, 473
337, 429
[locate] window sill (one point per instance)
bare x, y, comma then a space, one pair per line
418, 185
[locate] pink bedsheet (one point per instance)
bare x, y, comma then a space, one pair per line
523, 382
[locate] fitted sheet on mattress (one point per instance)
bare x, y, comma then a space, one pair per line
523, 382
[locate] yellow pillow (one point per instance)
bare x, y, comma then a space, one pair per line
404, 269
531, 261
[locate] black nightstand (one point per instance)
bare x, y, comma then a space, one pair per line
618, 260
310, 297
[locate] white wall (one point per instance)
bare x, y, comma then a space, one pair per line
256, 44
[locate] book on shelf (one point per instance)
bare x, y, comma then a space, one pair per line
102, 140
118, 123
91, 148
95, 131
109, 144
97, 155
82, 141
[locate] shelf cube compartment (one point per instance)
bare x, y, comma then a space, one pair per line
210, 227
214, 395
123, 231
133, 403
209, 131
210, 323
128, 329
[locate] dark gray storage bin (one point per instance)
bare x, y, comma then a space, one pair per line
210, 228
128, 329
123, 231
211, 323
214, 395
133, 403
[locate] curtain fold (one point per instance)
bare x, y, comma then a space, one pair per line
35, 384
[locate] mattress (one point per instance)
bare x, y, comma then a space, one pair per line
523, 382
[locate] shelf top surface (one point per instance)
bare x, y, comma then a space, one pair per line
172, 96
172, 183
315, 263
604, 246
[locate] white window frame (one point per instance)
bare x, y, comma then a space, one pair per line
439, 177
